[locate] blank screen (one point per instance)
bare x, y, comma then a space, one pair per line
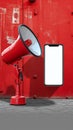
53, 64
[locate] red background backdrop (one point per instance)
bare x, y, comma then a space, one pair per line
52, 22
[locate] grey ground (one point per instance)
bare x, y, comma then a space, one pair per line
38, 114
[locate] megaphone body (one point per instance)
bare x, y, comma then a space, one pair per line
15, 51
25, 44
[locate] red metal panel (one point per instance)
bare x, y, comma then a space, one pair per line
8, 33
52, 22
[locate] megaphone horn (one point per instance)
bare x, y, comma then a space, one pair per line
15, 51
25, 44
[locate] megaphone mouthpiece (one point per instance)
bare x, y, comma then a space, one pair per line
28, 42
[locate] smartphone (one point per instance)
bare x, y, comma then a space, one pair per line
53, 64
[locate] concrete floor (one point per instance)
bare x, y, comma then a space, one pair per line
38, 114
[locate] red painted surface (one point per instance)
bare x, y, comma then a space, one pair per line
52, 22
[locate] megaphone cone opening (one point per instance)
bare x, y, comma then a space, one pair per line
27, 34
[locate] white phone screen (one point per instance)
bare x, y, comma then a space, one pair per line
53, 64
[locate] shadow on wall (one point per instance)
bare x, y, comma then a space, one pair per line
10, 90
33, 70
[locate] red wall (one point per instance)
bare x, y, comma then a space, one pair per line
52, 22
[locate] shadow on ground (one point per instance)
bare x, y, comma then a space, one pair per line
34, 102
5, 99
39, 102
